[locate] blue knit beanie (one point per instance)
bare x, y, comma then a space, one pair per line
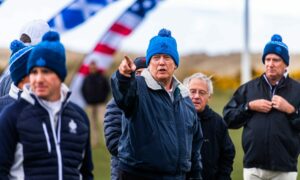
163, 43
49, 53
276, 46
18, 60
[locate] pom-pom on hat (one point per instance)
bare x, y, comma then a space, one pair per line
18, 60
276, 46
163, 43
49, 53
140, 62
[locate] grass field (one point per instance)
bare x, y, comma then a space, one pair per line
101, 155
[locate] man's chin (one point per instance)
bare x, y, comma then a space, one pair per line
198, 108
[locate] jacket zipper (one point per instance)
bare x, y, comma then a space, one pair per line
47, 137
57, 144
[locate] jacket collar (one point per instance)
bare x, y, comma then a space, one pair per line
279, 83
30, 97
14, 91
153, 84
205, 114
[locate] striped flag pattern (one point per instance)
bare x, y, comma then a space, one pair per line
104, 50
76, 13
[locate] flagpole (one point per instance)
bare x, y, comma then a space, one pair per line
246, 64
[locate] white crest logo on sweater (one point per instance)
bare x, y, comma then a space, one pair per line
73, 127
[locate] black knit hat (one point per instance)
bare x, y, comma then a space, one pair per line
140, 62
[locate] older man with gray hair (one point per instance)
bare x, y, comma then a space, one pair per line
218, 150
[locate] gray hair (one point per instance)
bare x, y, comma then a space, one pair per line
200, 76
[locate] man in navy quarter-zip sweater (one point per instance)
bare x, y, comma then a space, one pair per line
43, 135
268, 109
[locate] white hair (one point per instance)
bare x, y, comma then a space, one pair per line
200, 76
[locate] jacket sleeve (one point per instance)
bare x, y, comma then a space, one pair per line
8, 141
112, 126
195, 173
295, 119
235, 113
227, 153
124, 91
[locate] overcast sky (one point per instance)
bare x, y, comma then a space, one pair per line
211, 26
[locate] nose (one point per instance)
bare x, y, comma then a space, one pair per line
39, 77
161, 60
196, 96
270, 63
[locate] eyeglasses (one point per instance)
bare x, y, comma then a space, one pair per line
195, 92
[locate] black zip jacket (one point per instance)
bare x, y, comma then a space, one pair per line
270, 140
218, 150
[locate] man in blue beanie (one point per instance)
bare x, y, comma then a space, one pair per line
17, 68
268, 109
161, 136
43, 135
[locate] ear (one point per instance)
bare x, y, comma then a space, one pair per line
209, 97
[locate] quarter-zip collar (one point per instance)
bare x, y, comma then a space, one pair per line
273, 88
153, 84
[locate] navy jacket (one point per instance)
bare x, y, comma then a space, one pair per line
270, 140
112, 133
218, 150
160, 137
32, 148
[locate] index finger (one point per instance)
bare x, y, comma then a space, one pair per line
128, 60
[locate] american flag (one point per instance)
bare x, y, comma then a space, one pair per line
76, 13
104, 50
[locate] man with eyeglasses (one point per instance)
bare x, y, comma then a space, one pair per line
218, 150
161, 136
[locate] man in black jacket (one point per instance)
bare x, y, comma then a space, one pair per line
218, 150
95, 90
267, 107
